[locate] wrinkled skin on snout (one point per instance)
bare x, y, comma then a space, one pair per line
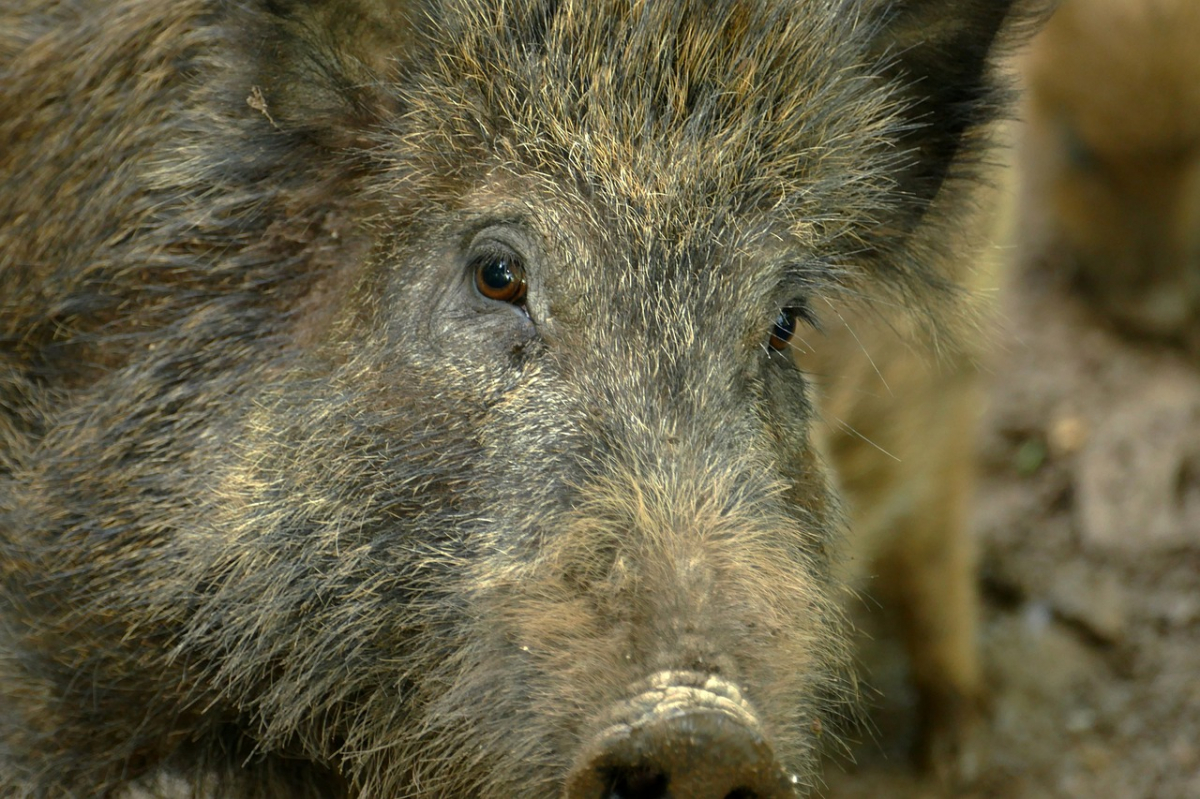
395, 398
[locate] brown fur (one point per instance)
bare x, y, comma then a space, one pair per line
287, 508
1111, 159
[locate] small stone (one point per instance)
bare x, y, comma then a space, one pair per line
1138, 482
1178, 610
1081, 720
1037, 617
1093, 599
1067, 435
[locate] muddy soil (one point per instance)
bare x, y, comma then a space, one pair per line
1088, 527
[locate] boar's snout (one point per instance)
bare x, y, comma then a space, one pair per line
691, 737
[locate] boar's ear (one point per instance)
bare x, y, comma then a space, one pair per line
944, 54
324, 68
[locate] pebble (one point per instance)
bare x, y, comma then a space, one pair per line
1067, 435
1092, 597
1138, 481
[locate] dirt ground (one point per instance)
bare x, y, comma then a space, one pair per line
1088, 526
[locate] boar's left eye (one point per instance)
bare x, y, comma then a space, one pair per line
785, 328
500, 276
785, 325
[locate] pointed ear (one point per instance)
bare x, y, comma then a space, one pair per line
944, 55
324, 68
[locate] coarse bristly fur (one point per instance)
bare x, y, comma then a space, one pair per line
288, 508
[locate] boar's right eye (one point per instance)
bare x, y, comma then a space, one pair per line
500, 275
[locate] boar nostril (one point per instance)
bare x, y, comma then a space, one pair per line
637, 783
650, 783
698, 754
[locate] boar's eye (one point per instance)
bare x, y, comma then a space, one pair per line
785, 328
500, 275
785, 325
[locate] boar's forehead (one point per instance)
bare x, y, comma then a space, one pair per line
687, 117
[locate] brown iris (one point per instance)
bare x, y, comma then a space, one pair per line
500, 276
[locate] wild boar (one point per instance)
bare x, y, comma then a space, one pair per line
395, 397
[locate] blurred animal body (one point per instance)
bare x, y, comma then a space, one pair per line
1110, 162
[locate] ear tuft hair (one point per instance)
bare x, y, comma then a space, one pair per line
325, 67
944, 53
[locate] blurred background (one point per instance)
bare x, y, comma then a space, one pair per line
1087, 517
